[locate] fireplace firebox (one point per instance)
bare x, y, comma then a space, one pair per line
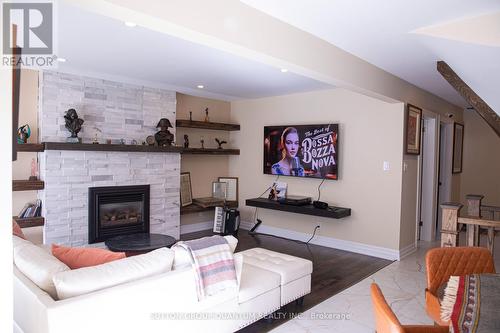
117, 210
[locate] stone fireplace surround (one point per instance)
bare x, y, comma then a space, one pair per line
118, 111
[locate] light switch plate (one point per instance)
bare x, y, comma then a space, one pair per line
386, 166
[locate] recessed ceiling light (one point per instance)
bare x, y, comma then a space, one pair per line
131, 24
61, 59
284, 70
200, 86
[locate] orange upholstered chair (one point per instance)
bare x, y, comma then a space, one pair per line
441, 263
387, 322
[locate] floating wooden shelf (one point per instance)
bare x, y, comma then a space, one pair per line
197, 209
210, 151
29, 222
207, 125
137, 148
27, 185
30, 147
331, 212
110, 147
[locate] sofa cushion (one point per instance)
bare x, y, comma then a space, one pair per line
88, 279
37, 265
79, 257
16, 230
182, 258
256, 281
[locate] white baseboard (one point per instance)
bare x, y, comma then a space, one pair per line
370, 250
407, 250
194, 227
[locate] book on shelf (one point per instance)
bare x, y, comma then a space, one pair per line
31, 210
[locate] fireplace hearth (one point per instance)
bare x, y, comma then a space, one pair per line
117, 210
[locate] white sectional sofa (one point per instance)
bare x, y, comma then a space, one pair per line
166, 302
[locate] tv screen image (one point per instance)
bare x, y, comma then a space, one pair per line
301, 150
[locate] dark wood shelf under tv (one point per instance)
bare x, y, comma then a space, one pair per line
207, 125
29, 222
197, 209
30, 147
27, 185
331, 212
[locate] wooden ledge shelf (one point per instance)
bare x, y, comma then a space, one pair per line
30, 147
137, 148
110, 147
331, 212
210, 151
207, 125
27, 185
29, 222
197, 209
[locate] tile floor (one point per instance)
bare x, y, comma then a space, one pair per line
403, 284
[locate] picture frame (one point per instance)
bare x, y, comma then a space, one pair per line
186, 191
458, 147
232, 190
219, 190
413, 129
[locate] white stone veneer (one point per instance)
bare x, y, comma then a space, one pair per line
119, 111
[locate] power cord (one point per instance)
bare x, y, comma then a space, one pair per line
319, 187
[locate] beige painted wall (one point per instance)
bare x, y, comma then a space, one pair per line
371, 131
28, 107
481, 160
204, 169
409, 201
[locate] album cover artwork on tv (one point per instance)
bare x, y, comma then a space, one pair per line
301, 150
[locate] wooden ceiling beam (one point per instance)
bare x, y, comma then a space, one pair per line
481, 107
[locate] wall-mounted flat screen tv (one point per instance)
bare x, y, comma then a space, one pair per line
302, 150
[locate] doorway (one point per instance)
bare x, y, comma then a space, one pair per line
428, 178
444, 171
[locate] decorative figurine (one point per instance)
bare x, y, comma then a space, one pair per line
73, 125
220, 143
122, 141
95, 140
186, 141
23, 133
143, 143
206, 116
133, 142
202, 140
108, 141
34, 170
151, 140
163, 137
190, 116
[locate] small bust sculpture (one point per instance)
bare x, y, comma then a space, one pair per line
23, 133
73, 123
163, 137
186, 141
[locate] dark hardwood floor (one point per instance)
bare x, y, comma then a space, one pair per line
333, 271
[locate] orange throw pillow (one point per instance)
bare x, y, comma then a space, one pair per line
78, 257
16, 230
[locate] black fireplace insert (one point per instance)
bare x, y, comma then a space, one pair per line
117, 210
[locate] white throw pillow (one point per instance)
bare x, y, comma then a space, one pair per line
88, 279
37, 265
182, 258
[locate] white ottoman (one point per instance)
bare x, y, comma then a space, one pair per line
295, 272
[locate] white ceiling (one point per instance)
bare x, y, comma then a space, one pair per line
100, 46
407, 37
